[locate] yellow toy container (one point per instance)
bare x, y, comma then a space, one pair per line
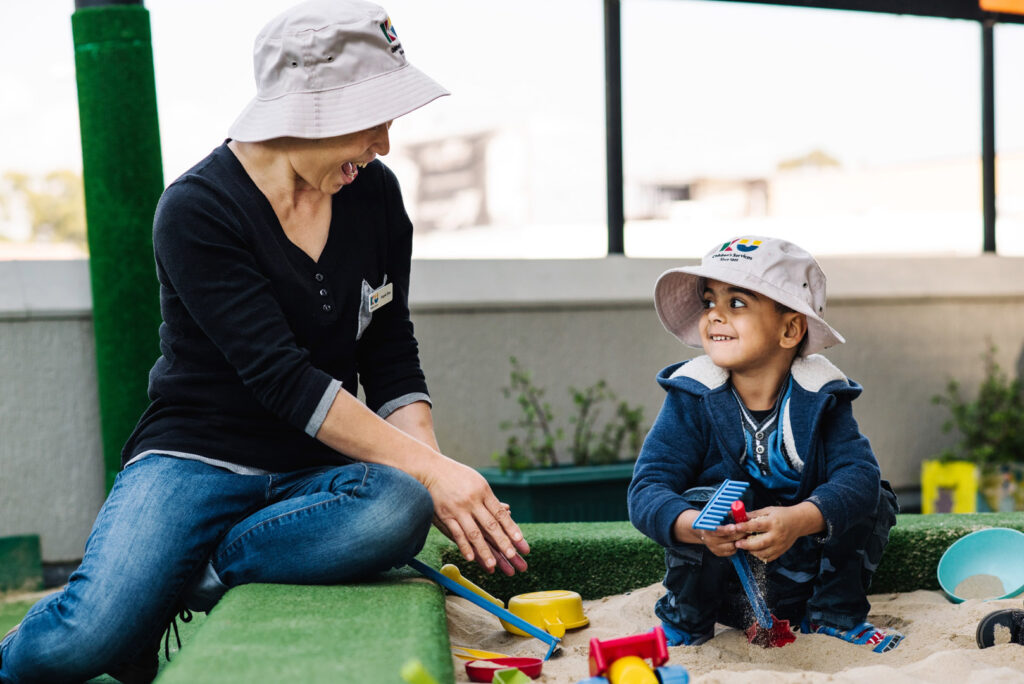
949, 487
553, 611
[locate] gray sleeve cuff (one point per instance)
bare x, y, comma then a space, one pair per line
404, 400
320, 414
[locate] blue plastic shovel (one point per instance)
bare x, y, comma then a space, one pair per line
502, 613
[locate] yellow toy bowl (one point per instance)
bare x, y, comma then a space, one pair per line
552, 611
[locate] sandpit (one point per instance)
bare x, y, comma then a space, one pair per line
940, 644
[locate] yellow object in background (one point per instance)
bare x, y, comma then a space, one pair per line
631, 670
1008, 6
949, 487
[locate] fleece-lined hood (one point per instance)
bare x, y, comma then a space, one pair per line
813, 373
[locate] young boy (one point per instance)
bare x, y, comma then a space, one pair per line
764, 407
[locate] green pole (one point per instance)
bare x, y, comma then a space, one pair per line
121, 167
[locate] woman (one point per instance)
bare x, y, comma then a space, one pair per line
283, 260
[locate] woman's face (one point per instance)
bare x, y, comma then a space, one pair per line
329, 164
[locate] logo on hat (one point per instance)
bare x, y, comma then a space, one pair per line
389, 31
743, 245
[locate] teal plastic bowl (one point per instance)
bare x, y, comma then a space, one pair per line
997, 551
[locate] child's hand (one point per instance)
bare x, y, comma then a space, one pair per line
721, 541
775, 529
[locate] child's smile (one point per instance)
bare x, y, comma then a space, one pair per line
740, 329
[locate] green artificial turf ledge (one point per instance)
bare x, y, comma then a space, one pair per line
366, 632
358, 633
601, 559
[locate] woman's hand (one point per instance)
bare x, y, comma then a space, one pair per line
468, 513
465, 508
507, 566
773, 530
469, 487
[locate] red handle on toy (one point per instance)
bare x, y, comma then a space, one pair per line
739, 511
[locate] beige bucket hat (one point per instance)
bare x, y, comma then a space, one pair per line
774, 268
329, 67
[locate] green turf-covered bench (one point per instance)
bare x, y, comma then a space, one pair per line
347, 633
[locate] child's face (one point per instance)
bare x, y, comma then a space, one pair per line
743, 331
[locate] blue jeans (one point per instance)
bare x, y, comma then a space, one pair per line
171, 526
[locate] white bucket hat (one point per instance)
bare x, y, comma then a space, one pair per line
774, 268
329, 67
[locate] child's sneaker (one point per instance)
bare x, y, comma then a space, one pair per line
864, 634
678, 637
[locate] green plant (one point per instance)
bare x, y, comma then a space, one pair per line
535, 443
991, 425
538, 442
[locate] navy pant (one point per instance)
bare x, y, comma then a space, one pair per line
827, 583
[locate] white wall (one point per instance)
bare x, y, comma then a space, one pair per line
910, 325
51, 464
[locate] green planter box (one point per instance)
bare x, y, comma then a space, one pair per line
568, 494
21, 565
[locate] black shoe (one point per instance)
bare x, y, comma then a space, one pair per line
1009, 619
141, 670
146, 666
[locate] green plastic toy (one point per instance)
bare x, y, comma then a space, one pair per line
510, 676
413, 672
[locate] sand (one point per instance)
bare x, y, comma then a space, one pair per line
939, 646
980, 586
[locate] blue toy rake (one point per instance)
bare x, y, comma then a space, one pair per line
768, 630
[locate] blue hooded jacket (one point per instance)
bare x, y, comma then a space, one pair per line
697, 440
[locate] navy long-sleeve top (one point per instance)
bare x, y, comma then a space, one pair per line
257, 337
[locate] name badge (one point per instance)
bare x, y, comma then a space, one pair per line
381, 296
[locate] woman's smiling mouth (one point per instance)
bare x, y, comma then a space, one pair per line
350, 170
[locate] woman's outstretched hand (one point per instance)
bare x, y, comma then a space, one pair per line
465, 508
468, 513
